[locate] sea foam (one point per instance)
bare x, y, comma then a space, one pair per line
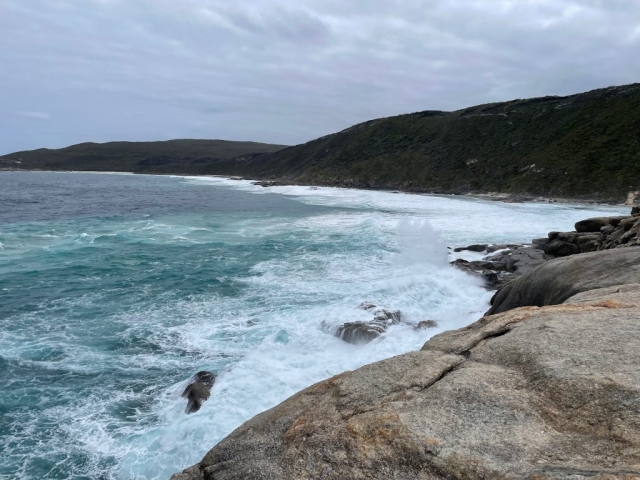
111, 315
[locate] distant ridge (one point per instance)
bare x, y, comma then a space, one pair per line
172, 156
580, 146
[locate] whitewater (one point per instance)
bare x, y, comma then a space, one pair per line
116, 289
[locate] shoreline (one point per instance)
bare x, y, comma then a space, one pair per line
491, 196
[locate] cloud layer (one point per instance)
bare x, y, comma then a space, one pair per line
285, 71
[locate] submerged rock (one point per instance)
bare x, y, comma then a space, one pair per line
198, 390
361, 332
424, 324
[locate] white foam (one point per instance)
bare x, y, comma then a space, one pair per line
268, 342
287, 350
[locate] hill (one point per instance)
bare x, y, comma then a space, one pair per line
585, 145
581, 146
173, 156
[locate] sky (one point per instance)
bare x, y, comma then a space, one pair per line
289, 71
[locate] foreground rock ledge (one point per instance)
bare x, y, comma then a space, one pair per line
533, 393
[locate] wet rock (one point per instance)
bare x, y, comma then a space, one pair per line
367, 306
519, 260
495, 248
472, 248
490, 276
198, 390
267, 183
504, 265
424, 324
362, 332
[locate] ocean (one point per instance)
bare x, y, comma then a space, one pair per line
115, 289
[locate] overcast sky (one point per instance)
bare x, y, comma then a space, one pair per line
288, 71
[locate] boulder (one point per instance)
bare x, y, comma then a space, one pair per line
561, 248
592, 224
627, 223
359, 333
472, 248
503, 266
556, 280
615, 221
519, 260
533, 393
424, 324
608, 230
362, 332
198, 390
539, 243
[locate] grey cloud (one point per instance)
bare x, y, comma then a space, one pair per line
286, 72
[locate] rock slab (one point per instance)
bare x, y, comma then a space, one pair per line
533, 393
556, 280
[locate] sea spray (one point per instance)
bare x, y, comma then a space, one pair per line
115, 290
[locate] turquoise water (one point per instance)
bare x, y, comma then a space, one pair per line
115, 289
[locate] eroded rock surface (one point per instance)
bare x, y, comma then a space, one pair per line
533, 393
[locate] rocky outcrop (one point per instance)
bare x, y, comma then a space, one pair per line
593, 234
513, 261
362, 332
555, 281
533, 393
503, 266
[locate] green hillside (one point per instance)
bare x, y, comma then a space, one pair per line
585, 145
582, 145
173, 156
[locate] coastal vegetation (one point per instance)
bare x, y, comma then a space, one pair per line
193, 157
580, 146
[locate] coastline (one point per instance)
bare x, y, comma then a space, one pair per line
469, 216
493, 196
555, 359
